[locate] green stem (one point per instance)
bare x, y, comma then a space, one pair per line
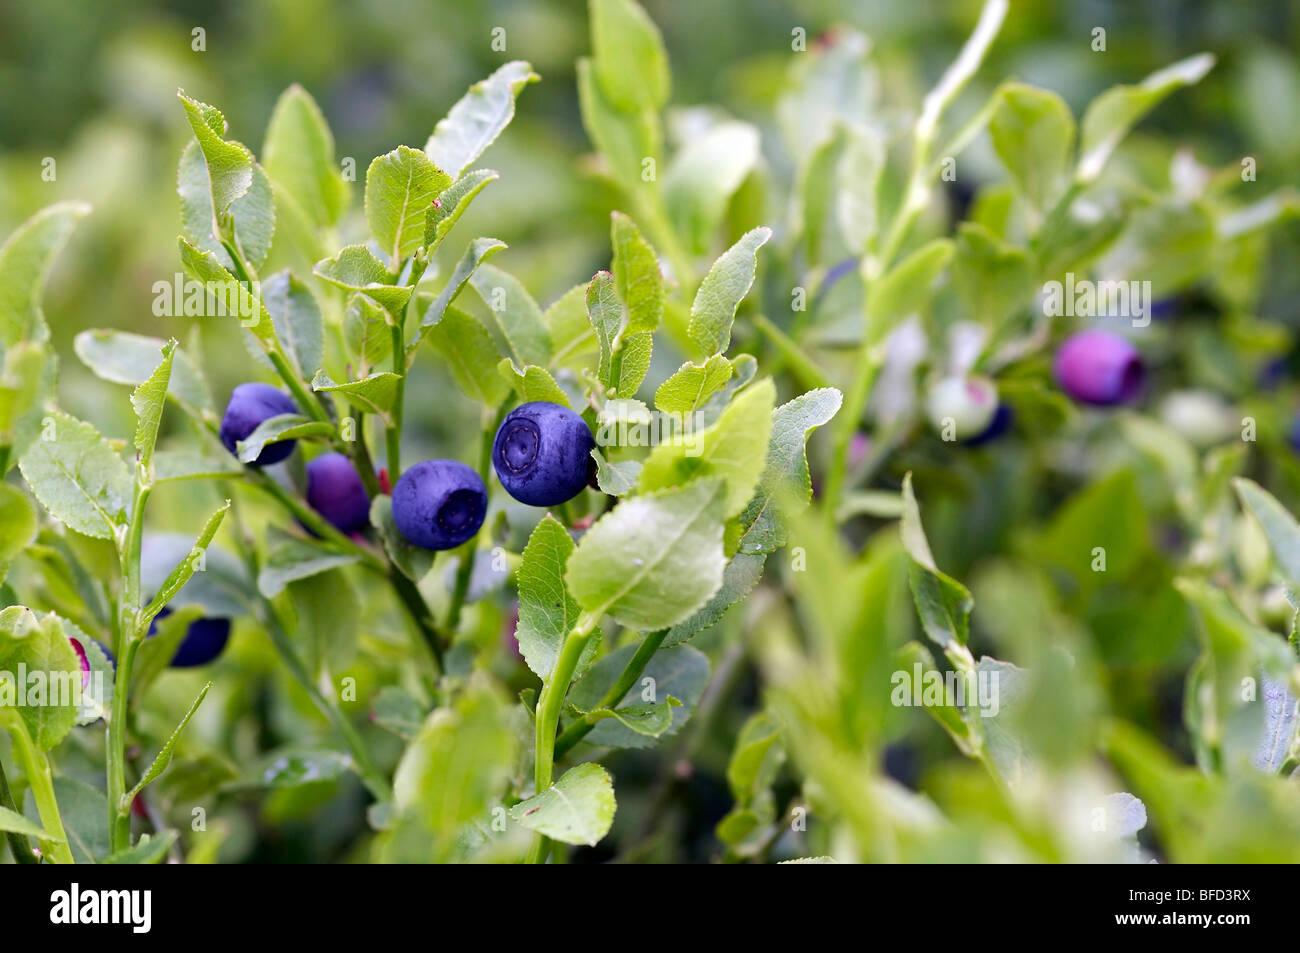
394, 432
855, 405
18, 845
549, 703
622, 685
313, 521
466, 569
365, 466
418, 609
41, 780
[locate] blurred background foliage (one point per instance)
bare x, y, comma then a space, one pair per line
92, 85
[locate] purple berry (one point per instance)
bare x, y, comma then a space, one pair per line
999, 425
1099, 368
335, 491
204, 640
250, 405
438, 504
85, 662
542, 453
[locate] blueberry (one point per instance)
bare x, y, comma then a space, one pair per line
999, 425
335, 491
203, 641
1099, 368
542, 454
438, 504
250, 404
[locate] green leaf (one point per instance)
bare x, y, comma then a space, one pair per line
479, 251
17, 525
366, 332
1033, 134
572, 335
577, 809
164, 756
155, 654
1077, 232
546, 609
25, 261
411, 560
680, 674
298, 154
185, 567
905, 289
78, 476
40, 646
532, 383
355, 268
84, 812
226, 295
170, 466
756, 758
17, 824
149, 849
515, 314
995, 280
97, 693
727, 282
398, 711
220, 584
277, 429
605, 312
372, 395
290, 559
125, 358
1109, 515
471, 356
650, 721
785, 478
28, 375
943, 604
704, 175
654, 559
625, 139
327, 611
1279, 525
738, 581
452, 204
230, 164
478, 118
637, 278
252, 215
1111, 115
400, 187
293, 767
147, 401
857, 179
732, 449
616, 479
630, 61
692, 384
297, 318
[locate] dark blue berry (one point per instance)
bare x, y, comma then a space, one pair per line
438, 504
542, 454
335, 491
250, 405
203, 642
999, 425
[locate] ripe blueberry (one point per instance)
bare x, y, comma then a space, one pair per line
438, 504
203, 641
335, 491
1099, 368
999, 425
542, 453
250, 404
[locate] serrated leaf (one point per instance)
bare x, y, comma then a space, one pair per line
452, 204
943, 603
546, 609
732, 449
1032, 132
738, 581
637, 278
478, 118
356, 269
515, 314
605, 313
15, 823
680, 673
84, 812
97, 692
372, 395
727, 282
229, 164
654, 559
147, 401
905, 289
25, 261
624, 139
400, 187
164, 755
630, 61
185, 568
290, 558
1280, 527
78, 477
40, 646
572, 336
252, 215
233, 298
277, 429
692, 384
1111, 115
616, 479
125, 358
577, 809
298, 154
170, 466
532, 383
704, 175
471, 356
366, 332
297, 318
479, 251
17, 525
785, 476
650, 721
28, 377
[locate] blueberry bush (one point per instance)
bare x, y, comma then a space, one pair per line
659, 568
